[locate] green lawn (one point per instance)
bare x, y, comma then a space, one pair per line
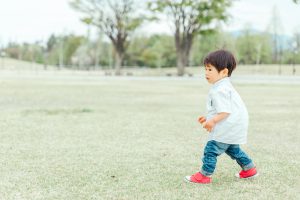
81, 138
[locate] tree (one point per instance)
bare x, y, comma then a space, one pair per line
189, 18
253, 48
60, 49
154, 51
276, 29
116, 19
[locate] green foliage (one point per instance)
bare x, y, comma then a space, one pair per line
210, 42
252, 47
156, 50
13, 50
51, 43
70, 47
55, 48
193, 16
248, 47
153, 51
105, 54
66, 45
28, 52
87, 20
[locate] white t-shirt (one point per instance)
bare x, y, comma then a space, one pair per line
223, 97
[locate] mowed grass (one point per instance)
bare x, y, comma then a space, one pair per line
137, 139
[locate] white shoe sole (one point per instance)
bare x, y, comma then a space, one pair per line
187, 179
250, 177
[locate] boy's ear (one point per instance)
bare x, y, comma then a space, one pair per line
225, 72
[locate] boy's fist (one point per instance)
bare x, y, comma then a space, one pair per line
209, 125
201, 119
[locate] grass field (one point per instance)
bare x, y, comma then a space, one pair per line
95, 138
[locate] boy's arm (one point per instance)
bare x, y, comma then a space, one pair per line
209, 125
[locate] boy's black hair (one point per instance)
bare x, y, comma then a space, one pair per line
221, 59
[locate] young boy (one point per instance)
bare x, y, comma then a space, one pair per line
226, 119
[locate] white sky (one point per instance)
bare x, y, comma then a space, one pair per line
32, 20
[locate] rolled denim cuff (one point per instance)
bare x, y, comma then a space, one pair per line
205, 173
249, 166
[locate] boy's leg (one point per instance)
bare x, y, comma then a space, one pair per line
236, 153
211, 151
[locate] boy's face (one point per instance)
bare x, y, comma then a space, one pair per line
212, 75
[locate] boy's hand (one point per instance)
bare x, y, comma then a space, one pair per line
201, 119
209, 125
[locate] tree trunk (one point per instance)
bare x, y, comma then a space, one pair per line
182, 61
180, 64
183, 47
118, 63
179, 61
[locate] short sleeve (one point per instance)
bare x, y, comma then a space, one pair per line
222, 101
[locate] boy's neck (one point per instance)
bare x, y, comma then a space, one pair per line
225, 78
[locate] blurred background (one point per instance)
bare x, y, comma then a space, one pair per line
130, 37
99, 99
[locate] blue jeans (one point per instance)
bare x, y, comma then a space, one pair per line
214, 149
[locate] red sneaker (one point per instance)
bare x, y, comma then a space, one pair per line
198, 178
250, 173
